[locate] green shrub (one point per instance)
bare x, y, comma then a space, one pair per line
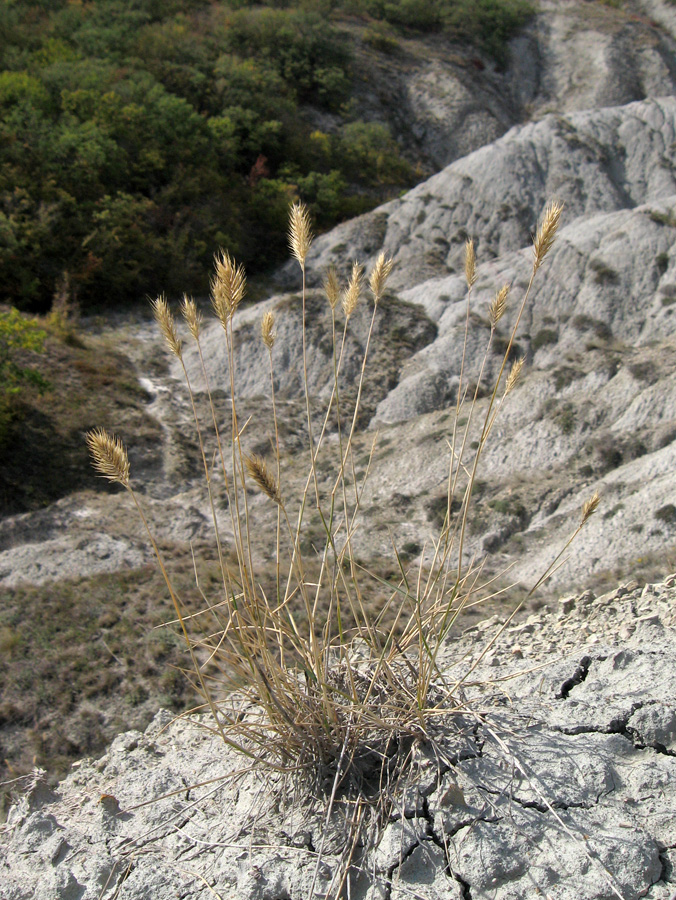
381, 37
488, 24
137, 138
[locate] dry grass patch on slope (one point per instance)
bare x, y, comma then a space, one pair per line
86, 658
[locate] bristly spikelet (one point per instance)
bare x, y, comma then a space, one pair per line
590, 507
379, 275
514, 375
227, 287
300, 232
268, 329
498, 305
353, 290
470, 263
109, 457
167, 326
193, 318
261, 474
331, 287
546, 233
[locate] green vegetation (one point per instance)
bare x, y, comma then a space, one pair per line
565, 418
663, 218
486, 24
20, 338
138, 138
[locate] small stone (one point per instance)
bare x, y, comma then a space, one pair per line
627, 630
487, 623
566, 604
522, 629
517, 652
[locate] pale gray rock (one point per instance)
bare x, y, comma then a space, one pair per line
596, 161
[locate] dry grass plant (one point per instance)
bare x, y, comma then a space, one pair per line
340, 701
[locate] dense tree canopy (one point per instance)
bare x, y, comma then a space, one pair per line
138, 136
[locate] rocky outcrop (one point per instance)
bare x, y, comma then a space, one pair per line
559, 781
596, 406
442, 102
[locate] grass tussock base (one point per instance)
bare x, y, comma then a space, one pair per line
299, 672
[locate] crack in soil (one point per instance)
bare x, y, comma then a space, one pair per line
464, 885
540, 806
619, 725
578, 676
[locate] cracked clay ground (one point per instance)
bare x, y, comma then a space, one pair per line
559, 783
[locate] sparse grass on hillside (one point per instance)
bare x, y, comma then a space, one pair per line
86, 658
301, 674
42, 456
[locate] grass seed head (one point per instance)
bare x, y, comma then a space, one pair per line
546, 233
498, 305
165, 320
268, 329
259, 470
590, 506
379, 275
193, 318
353, 290
300, 232
109, 456
470, 263
228, 285
331, 287
514, 375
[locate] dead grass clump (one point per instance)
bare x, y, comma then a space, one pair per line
321, 684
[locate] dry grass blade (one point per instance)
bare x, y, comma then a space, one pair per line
167, 326
259, 470
268, 329
228, 285
300, 232
546, 233
353, 290
109, 456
